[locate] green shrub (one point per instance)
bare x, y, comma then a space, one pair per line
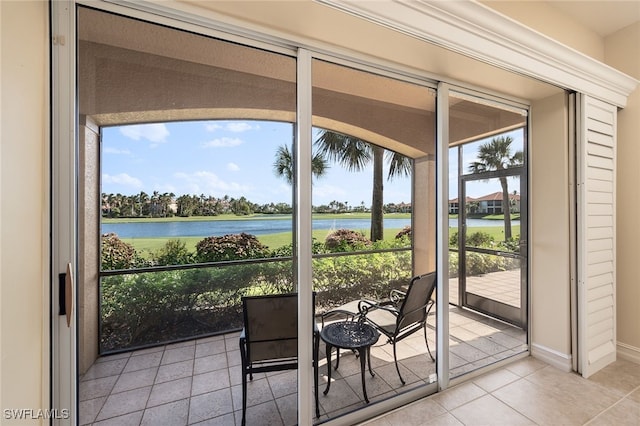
174, 252
116, 254
479, 239
230, 247
346, 240
405, 232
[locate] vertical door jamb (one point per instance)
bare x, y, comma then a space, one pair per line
63, 206
442, 236
303, 200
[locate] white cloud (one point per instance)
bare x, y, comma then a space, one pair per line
238, 127
222, 142
233, 167
116, 151
122, 179
203, 182
230, 126
212, 127
156, 132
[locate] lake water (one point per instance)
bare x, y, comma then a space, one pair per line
255, 227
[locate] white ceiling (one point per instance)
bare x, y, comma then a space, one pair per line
604, 17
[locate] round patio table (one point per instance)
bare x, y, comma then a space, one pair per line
354, 335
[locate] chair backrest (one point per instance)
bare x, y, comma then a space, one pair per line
413, 308
271, 326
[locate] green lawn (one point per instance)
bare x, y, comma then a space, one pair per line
145, 246
149, 245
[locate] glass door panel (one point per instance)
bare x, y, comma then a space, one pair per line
374, 227
490, 247
487, 232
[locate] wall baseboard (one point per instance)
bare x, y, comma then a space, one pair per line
552, 357
628, 352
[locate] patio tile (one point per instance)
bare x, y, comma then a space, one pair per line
224, 420
89, 409
211, 348
147, 351
210, 405
174, 371
288, 409
211, 381
375, 385
175, 390
171, 414
135, 379
131, 419
233, 357
340, 395
258, 391
263, 414
105, 369
206, 377
90, 389
141, 362
210, 363
283, 383
178, 354
124, 403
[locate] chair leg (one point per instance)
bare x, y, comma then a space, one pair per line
244, 380
427, 342
395, 358
244, 398
316, 350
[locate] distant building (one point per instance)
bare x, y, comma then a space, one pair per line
487, 204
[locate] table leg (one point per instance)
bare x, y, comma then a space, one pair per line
328, 349
363, 361
369, 361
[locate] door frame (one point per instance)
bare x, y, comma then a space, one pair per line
494, 308
64, 207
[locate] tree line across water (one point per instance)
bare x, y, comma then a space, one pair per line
156, 205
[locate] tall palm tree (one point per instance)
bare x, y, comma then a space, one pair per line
355, 154
283, 165
496, 155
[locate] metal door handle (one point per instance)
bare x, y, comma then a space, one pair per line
68, 292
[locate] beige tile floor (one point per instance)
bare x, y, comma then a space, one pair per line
530, 392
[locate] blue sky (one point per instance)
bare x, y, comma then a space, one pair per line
236, 158
220, 158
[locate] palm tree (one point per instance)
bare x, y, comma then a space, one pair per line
283, 166
496, 155
355, 154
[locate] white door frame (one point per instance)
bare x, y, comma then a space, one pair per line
63, 210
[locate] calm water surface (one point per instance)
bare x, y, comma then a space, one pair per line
255, 227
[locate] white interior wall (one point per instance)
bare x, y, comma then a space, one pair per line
24, 213
549, 237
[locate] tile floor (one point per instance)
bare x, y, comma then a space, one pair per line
530, 392
198, 382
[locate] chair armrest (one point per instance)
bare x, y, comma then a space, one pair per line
396, 296
366, 306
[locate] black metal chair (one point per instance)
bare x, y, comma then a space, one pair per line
404, 313
269, 339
